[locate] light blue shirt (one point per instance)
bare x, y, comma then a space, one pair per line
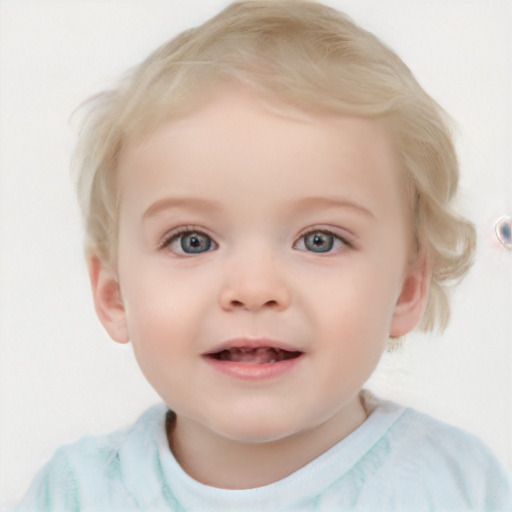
398, 459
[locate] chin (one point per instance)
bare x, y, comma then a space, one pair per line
254, 429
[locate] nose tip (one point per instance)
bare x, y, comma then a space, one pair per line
254, 290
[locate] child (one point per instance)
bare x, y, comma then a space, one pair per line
267, 202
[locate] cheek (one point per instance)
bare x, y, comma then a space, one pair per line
162, 309
163, 333
352, 318
361, 294
159, 317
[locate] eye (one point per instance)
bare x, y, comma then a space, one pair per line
320, 241
189, 242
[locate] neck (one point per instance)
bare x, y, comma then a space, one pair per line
222, 462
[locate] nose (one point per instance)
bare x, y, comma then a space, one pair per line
254, 284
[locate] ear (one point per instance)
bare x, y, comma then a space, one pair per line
412, 301
107, 299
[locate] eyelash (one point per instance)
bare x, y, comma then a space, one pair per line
345, 242
178, 233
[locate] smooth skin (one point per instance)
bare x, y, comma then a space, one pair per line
249, 219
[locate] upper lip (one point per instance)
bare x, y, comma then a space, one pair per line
252, 343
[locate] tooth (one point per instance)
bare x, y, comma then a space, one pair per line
258, 355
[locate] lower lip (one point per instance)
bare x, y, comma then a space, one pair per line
254, 371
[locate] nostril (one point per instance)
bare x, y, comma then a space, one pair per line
241, 304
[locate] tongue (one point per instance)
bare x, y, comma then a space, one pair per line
258, 355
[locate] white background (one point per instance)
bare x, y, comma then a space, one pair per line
61, 377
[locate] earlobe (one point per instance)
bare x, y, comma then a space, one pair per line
413, 298
108, 300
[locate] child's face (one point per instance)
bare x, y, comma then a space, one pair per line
244, 227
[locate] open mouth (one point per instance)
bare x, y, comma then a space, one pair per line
259, 355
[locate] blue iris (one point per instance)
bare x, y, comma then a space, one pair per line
319, 241
195, 243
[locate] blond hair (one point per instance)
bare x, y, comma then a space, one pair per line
309, 56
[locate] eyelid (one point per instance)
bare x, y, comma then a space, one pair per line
345, 238
173, 234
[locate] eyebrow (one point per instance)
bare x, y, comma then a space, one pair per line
314, 202
168, 203
304, 203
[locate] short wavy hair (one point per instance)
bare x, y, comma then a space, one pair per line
309, 56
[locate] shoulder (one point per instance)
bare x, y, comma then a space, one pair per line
448, 459
95, 467
439, 440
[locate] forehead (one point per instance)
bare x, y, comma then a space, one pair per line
235, 138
